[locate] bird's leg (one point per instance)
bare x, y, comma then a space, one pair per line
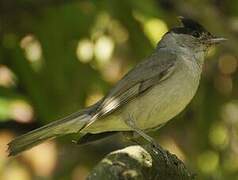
131, 123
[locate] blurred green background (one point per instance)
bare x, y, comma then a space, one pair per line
58, 56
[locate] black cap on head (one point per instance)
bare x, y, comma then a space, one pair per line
190, 27
191, 24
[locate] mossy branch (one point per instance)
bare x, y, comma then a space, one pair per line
141, 162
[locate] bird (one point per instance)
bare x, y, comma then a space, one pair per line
148, 96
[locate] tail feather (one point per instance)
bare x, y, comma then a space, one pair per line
71, 124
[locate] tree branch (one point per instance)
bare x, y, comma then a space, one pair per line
141, 162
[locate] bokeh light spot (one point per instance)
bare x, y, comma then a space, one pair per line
6, 77
104, 47
84, 50
21, 111
227, 64
15, 172
155, 28
218, 135
229, 112
208, 162
32, 47
113, 71
42, 158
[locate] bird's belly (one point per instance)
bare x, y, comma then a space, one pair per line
157, 108
158, 105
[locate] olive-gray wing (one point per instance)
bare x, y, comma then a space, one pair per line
150, 72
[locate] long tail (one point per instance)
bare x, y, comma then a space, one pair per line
68, 125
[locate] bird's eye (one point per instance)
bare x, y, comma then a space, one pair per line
196, 34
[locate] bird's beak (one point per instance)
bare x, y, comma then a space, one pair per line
216, 40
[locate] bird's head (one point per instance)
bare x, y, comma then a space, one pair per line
192, 35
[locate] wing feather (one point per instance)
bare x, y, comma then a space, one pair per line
157, 68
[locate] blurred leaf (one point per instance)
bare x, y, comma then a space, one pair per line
4, 109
